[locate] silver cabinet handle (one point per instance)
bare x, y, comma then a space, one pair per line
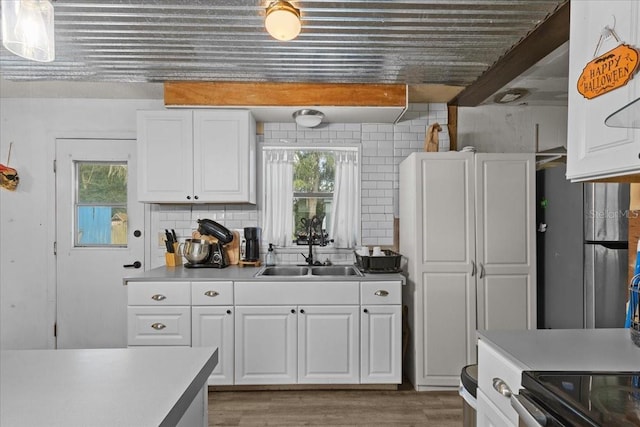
481, 271
473, 268
501, 387
211, 294
381, 293
158, 297
158, 326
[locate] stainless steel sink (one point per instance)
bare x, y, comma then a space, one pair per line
336, 270
283, 271
317, 271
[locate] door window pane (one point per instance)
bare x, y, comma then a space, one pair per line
100, 204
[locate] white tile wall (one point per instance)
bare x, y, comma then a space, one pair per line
383, 147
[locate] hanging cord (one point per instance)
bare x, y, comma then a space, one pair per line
607, 32
9, 155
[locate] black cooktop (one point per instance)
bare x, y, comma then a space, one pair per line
586, 398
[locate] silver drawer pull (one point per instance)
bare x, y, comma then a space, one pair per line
501, 387
158, 326
381, 293
211, 294
158, 297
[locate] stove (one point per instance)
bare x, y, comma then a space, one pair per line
584, 398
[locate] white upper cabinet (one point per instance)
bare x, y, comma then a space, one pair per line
594, 149
201, 156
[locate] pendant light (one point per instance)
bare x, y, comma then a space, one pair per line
282, 20
27, 29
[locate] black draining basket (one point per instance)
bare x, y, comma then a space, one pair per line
387, 263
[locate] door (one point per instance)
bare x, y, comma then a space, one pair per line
505, 241
99, 226
381, 340
328, 345
266, 345
213, 327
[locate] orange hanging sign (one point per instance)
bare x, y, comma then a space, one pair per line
608, 71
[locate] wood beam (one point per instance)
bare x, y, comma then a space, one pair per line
548, 36
264, 94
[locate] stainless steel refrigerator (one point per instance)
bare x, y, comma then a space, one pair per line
582, 252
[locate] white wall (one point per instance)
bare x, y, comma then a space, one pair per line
26, 218
512, 129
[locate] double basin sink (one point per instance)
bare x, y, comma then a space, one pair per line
309, 271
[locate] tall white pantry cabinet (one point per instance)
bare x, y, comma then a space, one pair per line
467, 228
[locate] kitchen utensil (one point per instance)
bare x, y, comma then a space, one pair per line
212, 228
196, 251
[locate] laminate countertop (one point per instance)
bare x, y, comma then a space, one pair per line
101, 387
567, 349
234, 273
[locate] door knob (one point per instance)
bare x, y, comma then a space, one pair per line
136, 264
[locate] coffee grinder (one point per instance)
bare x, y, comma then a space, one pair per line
252, 244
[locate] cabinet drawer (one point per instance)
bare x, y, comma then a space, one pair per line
493, 365
212, 293
380, 293
158, 293
159, 325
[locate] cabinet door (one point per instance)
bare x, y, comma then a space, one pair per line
165, 156
265, 345
224, 156
594, 149
213, 327
381, 344
488, 415
328, 345
505, 241
447, 336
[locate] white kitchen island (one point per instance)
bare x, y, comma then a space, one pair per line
105, 387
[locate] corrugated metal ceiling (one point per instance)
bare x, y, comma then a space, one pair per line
447, 42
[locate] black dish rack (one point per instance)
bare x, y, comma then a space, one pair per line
387, 263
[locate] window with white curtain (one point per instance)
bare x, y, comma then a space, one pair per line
305, 182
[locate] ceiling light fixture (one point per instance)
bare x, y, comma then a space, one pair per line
510, 96
27, 29
282, 20
308, 118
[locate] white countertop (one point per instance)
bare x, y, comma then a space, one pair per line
567, 349
101, 387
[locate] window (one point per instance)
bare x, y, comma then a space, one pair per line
313, 184
305, 182
100, 204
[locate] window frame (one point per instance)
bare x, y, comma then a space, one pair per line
320, 146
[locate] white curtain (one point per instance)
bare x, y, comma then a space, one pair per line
278, 197
345, 212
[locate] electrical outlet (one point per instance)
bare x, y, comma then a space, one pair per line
161, 239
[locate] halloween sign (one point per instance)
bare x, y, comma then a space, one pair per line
8, 176
608, 71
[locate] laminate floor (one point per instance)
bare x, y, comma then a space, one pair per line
403, 407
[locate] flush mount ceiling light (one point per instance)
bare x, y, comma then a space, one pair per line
308, 118
27, 29
510, 95
282, 20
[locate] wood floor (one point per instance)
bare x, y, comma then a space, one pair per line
403, 407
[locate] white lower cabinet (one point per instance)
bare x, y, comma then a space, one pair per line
266, 350
488, 414
380, 338
277, 332
328, 345
213, 327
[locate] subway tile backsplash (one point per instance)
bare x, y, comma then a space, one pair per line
383, 147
